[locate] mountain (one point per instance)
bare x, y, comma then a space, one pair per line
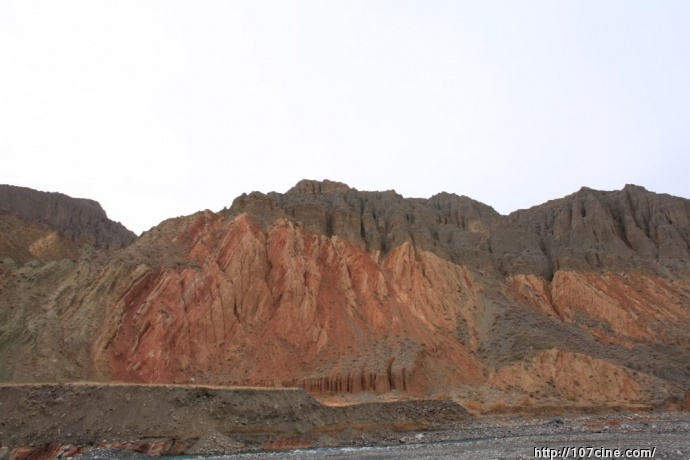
584, 300
52, 226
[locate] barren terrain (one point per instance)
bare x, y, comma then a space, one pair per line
123, 420
402, 314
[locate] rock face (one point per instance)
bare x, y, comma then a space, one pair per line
620, 230
347, 292
455, 228
295, 308
77, 220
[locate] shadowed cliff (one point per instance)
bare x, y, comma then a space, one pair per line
41, 225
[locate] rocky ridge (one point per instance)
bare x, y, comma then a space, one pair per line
75, 220
619, 230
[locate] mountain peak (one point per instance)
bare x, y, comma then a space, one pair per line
633, 187
315, 187
74, 218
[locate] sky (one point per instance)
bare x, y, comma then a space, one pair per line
158, 109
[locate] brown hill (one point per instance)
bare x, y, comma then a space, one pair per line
629, 229
583, 300
53, 226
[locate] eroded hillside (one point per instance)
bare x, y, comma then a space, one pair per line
584, 300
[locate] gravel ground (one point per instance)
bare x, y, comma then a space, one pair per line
510, 438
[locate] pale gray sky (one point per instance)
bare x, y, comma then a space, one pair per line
159, 109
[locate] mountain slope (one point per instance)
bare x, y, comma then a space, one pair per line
349, 292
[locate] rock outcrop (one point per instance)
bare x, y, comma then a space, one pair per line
341, 291
77, 219
455, 228
630, 229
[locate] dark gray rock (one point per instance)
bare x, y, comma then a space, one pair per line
456, 228
590, 229
619, 230
80, 219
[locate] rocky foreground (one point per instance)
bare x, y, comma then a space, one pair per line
68, 419
98, 421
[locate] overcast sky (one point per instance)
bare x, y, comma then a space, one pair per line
160, 109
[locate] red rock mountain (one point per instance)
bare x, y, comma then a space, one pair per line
582, 300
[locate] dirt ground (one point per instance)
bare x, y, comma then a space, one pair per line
99, 420
172, 419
